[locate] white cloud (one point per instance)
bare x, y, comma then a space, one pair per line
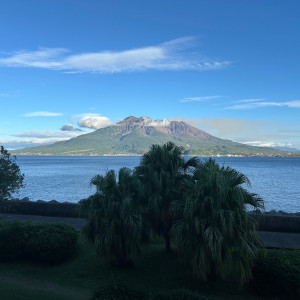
42, 114
199, 99
172, 55
94, 122
268, 144
252, 105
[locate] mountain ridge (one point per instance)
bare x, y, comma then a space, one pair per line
134, 136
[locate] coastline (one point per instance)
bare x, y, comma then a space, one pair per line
289, 155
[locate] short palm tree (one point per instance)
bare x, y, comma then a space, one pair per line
161, 171
216, 234
114, 218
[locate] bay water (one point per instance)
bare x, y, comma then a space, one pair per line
67, 178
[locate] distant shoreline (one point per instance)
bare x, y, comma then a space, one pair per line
136, 155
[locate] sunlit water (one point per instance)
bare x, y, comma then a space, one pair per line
276, 180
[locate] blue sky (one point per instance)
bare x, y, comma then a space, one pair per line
231, 68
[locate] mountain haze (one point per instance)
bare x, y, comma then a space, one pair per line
134, 136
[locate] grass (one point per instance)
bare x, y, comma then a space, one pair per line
157, 272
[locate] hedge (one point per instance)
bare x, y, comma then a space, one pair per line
122, 292
37, 242
277, 273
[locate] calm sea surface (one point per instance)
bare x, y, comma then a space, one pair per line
276, 180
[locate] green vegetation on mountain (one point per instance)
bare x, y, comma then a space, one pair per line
134, 136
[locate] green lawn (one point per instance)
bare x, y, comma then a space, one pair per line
157, 271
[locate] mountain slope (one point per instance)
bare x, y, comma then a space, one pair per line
134, 136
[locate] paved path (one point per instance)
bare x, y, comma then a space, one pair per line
270, 239
280, 239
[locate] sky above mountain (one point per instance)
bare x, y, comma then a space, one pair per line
230, 68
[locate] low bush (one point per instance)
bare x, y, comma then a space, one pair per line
120, 292
277, 272
37, 242
180, 294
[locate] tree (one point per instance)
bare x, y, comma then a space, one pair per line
11, 178
161, 171
114, 219
216, 234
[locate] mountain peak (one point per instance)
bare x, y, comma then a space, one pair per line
144, 121
169, 127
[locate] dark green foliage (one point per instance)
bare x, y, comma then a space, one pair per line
120, 292
11, 178
180, 294
161, 171
277, 273
216, 234
37, 242
114, 219
54, 209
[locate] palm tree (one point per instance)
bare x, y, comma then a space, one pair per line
216, 234
161, 171
114, 218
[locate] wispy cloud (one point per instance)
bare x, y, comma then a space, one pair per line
85, 115
5, 95
251, 100
9, 94
260, 104
268, 144
173, 55
42, 114
48, 134
199, 99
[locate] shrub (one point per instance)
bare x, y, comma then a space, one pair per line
180, 294
119, 292
37, 242
277, 272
